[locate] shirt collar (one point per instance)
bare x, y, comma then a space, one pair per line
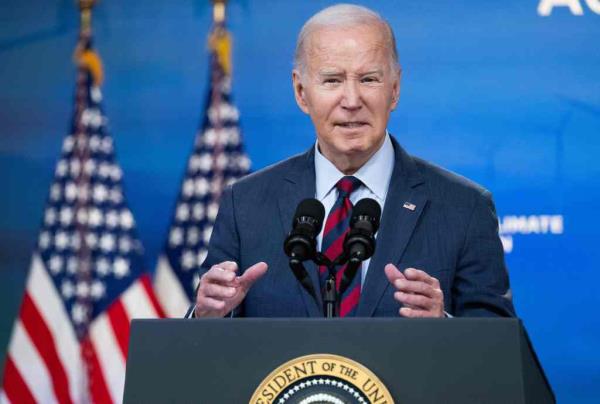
375, 174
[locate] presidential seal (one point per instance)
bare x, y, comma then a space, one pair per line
321, 379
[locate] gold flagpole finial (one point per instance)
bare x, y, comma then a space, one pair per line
83, 56
219, 39
219, 11
85, 7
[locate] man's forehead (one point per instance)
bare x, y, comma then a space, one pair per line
330, 61
329, 38
328, 48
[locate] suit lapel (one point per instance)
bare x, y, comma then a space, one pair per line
397, 225
299, 184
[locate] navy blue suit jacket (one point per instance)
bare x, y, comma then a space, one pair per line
452, 234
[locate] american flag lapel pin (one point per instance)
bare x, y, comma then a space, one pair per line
409, 206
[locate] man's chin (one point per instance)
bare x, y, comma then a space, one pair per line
358, 128
358, 142
354, 151
354, 133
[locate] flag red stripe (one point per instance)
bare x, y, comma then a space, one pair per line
350, 301
97, 385
119, 322
14, 386
43, 340
145, 281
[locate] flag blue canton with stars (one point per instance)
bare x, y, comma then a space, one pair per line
218, 160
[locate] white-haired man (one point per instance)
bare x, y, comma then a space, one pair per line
438, 251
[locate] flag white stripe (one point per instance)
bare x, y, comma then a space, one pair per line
109, 355
137, 303
47, 301
3, 398
30, 365
169, 291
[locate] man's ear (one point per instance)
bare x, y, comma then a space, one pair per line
396, 89
299, 91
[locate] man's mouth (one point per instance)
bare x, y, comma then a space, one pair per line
352, 124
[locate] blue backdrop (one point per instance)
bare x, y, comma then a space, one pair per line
493, 90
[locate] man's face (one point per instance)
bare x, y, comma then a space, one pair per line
349, 89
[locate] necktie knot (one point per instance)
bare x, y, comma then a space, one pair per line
346, 185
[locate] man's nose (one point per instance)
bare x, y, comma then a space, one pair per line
351, 98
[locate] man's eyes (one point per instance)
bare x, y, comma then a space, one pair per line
370, 79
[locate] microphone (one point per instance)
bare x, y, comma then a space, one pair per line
301, 243
359, 243
360, 240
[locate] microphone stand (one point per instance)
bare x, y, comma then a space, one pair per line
331, 296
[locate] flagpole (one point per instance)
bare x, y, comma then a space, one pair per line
219, 43
85, 8
219, 7
82, 155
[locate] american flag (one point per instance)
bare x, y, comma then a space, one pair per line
218, 159
86, 282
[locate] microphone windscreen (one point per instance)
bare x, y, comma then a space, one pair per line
367, 207
312, 208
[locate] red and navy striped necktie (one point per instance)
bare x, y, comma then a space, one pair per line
336, 227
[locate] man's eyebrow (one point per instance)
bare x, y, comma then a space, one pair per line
375, 71
330, 72
336, 72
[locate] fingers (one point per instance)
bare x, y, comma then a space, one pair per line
228, 266
207, 305
419, 293
411, 312
417, 288
413, 300
413, 274
221, 290
393, 273
223, 273
252, 274
217, 290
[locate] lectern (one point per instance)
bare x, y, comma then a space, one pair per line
359, 360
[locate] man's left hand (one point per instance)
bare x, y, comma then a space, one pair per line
419, 293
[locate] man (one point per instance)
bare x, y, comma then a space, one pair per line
438, 252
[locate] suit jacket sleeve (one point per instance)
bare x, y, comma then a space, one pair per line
481, 286
224, 241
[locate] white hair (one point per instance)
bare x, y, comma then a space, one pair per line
343, 16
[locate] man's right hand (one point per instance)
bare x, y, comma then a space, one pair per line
221, 290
